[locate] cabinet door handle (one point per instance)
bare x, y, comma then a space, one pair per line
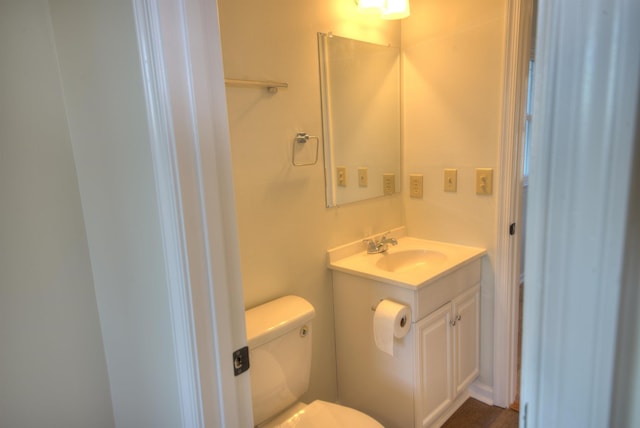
455, 320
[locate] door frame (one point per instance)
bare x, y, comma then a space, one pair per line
508, 247
183, 79
192, 167
583, 137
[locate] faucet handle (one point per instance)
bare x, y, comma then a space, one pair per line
385, 240
372, 245
385, 234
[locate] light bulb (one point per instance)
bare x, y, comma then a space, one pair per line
396, 9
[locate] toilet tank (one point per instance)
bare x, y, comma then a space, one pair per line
279, 336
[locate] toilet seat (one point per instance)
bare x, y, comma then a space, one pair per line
322, 414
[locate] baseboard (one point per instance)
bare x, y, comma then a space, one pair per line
457, 403
481, 392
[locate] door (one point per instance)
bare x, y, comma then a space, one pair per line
181, 60
508, 249
434, 356
579, 195
466, 334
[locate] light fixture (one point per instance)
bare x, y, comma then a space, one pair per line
396, 9
388, 9
370, 4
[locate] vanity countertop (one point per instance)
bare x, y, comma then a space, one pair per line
412, 263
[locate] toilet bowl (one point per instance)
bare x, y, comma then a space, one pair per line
321, 414
279, 336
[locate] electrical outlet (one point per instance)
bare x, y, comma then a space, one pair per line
450, 180
484, 181
363, 177
388, 183
415, 185
341, 176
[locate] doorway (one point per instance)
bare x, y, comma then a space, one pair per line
511, 204
515, 405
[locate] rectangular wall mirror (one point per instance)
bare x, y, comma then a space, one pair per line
360, 88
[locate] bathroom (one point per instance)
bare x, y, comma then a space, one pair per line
86, 291
453, 67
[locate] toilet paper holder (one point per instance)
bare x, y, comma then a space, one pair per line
374, 307
403, 320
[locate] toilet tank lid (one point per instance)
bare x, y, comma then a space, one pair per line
275, 318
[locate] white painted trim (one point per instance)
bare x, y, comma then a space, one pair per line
481, 392
626, 411
585, 109
451, 409
170, 209
507, 274
183, 78
327, 135
224, 330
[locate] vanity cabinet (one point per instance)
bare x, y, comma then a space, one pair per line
447, 355
427, 376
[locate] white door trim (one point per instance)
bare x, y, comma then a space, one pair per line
507, 274
585, 108
163, 148
181, 61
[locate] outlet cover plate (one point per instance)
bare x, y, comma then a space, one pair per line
341, 176
388, 183
415, 185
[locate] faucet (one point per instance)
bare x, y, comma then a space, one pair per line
376, 247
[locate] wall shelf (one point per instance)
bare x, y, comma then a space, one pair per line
270, 85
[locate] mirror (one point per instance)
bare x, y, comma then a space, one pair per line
360, 92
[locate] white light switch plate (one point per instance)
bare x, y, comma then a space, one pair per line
484, 181
363, 177
450, 180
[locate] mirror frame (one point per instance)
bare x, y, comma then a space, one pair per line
375, 170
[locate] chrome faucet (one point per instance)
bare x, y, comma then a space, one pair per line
375, 247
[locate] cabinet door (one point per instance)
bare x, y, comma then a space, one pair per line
434, 356
466, 333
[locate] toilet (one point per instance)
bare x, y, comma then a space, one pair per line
279, 336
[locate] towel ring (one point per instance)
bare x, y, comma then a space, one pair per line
302, 138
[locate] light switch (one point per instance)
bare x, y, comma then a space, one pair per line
341, 176
484, 181
388, 183
450, 180
363, 177
415, 185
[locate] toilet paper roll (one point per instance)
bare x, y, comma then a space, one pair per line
391, 320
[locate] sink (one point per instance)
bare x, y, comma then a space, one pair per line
412, 263
405, 260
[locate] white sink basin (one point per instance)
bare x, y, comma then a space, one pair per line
412, 263
404, 260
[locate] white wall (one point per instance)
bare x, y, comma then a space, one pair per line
52, 363
284, 226
101, 76
453, 87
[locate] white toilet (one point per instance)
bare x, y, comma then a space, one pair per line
279, 335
